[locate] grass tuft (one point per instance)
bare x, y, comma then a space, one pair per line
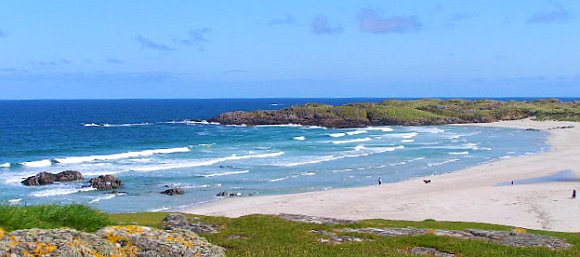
75, 216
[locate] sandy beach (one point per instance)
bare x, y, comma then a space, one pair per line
471, 194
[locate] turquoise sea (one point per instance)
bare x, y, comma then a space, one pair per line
152, 144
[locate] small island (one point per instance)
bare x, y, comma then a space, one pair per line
406, 112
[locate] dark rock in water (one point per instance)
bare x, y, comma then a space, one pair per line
40, 179
69, 175
173, 191
47, 178
115, 192
228, 194
178, 221
105, 182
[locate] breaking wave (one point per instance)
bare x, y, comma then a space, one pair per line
207, 162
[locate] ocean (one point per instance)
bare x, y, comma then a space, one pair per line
155, 144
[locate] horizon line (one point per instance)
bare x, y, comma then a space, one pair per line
257, 98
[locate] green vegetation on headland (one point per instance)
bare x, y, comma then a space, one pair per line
263, 235
407, 112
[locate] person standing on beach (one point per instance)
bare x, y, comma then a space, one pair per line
380, 180
573, 193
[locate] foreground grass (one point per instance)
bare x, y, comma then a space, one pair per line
75, 216
262, 235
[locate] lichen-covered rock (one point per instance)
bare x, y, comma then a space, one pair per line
518, 237
55, 242
178, 221
113, 241
141, 241
105, 182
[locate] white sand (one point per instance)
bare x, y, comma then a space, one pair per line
467, 195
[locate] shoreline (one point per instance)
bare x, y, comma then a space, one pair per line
469, 194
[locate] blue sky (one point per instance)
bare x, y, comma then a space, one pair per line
224, 49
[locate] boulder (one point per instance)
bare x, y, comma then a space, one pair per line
40, 179
145, 241
173, 191
105, 182
47, 178
178, 221
69, 175
55, 242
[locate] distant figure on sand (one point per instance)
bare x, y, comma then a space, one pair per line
573, 193
512, 182
426, 181
380, 181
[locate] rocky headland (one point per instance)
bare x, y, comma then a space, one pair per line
409, 113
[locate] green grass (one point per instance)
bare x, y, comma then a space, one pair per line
269, 236
75, 216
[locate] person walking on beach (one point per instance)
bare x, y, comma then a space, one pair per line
573, 193
380, 181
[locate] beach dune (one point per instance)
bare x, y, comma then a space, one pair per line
471, 194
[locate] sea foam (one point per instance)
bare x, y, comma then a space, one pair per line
352, 141
226, 173
104, 197
5, 165
37, 164
356, 132
207, 162
81, 159
383, 129
60, 191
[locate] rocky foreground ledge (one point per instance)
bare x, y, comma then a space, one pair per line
132, 240
409, 113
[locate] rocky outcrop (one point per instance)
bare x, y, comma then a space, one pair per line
314, 219
178, 221
145, 241
130, 241
55, 242
105, 182
333, 238
518, 237
428, 251
47, 178
286, 116
69, 175
173, 191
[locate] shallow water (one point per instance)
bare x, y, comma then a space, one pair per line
560, 176
152, 144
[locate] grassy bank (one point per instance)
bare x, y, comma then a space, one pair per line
261, 235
